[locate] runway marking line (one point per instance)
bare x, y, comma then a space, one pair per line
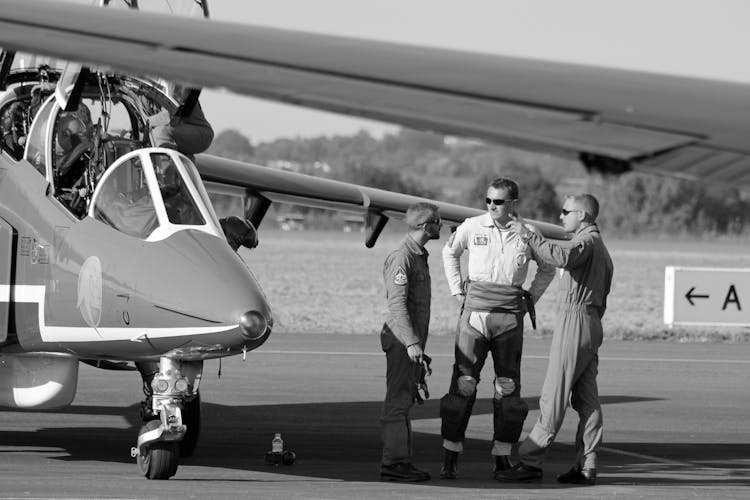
645, 457
645, 360
615, 451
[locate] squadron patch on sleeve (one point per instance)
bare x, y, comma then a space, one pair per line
400, 278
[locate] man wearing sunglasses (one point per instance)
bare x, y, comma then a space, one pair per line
493, 305
573, 360
403, 338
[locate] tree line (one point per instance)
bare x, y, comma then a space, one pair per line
458, 171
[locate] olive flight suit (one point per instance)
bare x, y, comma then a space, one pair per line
573, 362
407, 285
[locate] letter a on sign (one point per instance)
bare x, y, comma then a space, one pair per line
706, 296
731, 297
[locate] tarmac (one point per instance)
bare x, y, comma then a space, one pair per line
675, 416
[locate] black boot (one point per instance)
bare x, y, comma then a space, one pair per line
403, 471
578, 476
520, 473
450, 464
502, 463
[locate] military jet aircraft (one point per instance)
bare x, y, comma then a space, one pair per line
93, 272
112, 251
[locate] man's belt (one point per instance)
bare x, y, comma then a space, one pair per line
483, 296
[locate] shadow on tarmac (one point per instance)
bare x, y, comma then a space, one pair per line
342, 441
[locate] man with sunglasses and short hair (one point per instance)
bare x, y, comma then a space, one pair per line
573, 361
403, 338
493, 304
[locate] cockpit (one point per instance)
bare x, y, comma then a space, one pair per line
151, 194
90, 135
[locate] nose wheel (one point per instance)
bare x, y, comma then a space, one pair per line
172, 418
159, 460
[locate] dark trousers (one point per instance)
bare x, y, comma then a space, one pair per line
401, 380
501, 334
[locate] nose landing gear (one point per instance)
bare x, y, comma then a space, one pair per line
175, 402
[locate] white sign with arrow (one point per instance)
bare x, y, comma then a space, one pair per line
706, 296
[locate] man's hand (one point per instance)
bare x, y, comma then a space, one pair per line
415, 353
518, 225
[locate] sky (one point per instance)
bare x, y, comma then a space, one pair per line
686, 37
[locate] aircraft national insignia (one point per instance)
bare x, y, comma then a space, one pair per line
400, 278
90, 291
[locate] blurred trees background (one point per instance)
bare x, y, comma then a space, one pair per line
458, 171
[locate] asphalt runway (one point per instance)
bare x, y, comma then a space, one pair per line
676, 426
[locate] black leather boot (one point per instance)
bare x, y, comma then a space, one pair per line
450, 464
502, 463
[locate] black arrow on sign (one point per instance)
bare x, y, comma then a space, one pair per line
690, 296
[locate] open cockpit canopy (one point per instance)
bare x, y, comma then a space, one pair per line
89, 133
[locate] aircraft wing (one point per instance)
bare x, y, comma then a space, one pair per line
259, 186
612, 120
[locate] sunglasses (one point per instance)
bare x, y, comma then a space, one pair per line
497, 203
432, 221
566, 212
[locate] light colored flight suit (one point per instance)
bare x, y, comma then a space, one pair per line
491, 321
573, 362
407, 285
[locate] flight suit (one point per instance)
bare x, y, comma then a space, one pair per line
573, 362
491, 321
190, 135
407, 286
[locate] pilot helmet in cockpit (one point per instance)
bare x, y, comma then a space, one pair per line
73, 128
167, 176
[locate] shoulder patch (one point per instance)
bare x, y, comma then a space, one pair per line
400, 278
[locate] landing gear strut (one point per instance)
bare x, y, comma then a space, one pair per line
172, 422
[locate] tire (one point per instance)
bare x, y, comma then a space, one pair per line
160, 461
191, 417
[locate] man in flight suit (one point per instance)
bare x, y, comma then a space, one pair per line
491, 320
190, 134
403, 339
573, 360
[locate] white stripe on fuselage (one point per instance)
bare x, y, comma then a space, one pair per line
35, 294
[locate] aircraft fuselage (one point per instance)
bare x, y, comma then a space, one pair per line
84, 288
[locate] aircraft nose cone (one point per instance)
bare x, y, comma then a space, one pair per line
254, 325
205, 283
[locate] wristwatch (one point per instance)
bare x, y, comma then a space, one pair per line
525, 237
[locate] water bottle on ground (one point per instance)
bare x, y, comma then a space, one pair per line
277, 444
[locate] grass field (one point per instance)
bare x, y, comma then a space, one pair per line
328, 282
